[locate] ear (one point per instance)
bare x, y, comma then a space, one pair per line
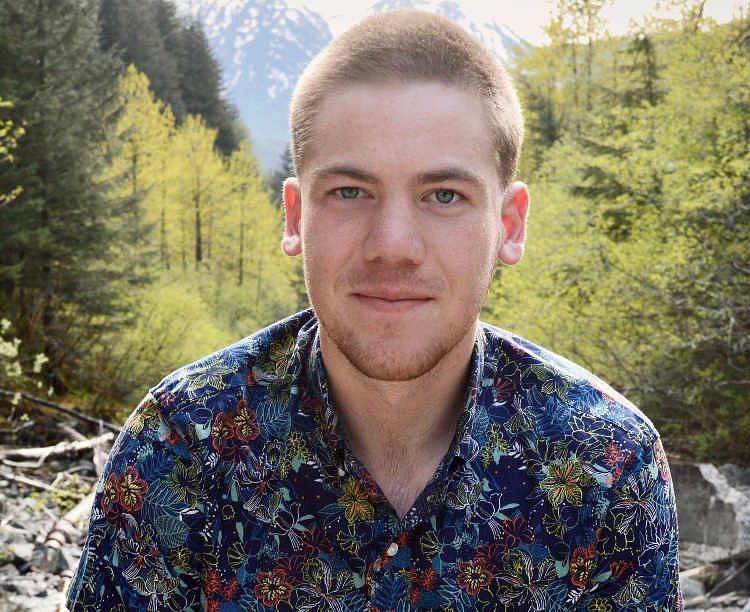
515, 211
291, 243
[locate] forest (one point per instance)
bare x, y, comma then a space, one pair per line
139, 232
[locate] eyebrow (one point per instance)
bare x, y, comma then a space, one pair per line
439, 175
343, 170
452, 173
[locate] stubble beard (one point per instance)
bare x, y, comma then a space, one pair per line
378, 360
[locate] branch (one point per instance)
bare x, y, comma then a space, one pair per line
41, 454
15, 430
33, 482
59, 408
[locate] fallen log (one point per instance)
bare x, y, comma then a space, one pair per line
16, 430
42, 453
60, 408
69, 431
32, 482
69, 527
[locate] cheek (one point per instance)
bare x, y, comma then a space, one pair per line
326, 248
472, 249
331, 236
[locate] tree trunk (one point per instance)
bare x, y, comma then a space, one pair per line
241, 261
197, 207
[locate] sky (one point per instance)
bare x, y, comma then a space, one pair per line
526, 18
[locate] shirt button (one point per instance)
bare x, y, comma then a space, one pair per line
392, 549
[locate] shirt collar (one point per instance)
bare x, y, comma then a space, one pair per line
469, 436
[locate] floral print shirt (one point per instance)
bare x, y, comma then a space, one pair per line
231, 487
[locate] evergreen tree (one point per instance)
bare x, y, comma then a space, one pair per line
277, 177
139, 33
200, 81
57, 235
138, 172
642, 72
175, 56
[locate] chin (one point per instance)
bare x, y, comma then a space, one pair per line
402, 368
389, 357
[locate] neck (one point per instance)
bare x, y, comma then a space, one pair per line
399, 430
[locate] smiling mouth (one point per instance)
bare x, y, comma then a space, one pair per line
391, 304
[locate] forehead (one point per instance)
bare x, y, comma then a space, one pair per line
401, 128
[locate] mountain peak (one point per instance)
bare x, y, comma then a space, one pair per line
263, 46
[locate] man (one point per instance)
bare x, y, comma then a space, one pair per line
385, 450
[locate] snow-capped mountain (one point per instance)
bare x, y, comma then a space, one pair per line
263, 46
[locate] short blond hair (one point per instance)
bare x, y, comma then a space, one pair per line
403, 46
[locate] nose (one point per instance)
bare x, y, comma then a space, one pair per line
395, 232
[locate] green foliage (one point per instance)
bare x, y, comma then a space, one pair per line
638, 260
55, 240
208, 239
173, 325
17, 369
177, 59
133, 244
9, 135
68, 490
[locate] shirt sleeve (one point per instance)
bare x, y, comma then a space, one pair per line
637, 564
145, 548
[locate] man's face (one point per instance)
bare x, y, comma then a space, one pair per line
399, 216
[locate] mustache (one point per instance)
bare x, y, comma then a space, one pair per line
363, 280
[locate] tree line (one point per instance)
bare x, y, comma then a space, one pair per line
138, 230
638, 262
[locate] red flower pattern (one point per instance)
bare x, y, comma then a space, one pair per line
272, 587
582, 564
473, 576
621, 569
517, 531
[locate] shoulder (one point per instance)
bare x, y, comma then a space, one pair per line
562, 389
269, 357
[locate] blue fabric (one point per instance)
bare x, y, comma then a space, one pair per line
232, 487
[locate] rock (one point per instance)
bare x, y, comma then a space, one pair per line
23, 552
691, 588
50, 559
11, 535
710, 510
8, 571
737, 477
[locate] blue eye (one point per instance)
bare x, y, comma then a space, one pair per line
348, 193
445, 196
